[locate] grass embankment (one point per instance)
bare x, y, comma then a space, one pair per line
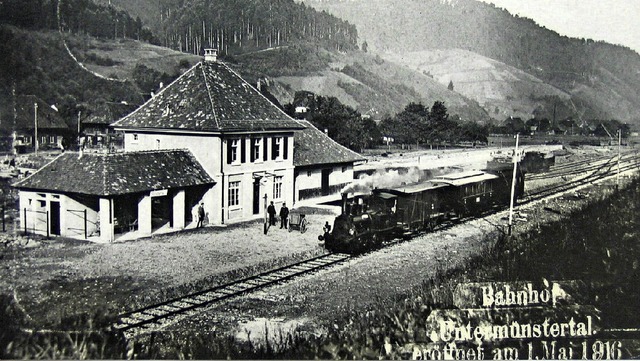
599, 246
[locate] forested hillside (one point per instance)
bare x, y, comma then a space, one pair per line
236, 26
36, 63
76, 16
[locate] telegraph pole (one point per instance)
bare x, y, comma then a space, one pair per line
619, 156
513, 183
266, 219
35, 121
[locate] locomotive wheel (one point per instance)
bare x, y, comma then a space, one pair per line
303, 227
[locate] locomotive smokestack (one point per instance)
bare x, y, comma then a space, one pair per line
344, 202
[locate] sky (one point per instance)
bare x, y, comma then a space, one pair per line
614, 21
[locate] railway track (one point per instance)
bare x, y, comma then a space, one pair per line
158, 315
595, 172
575, 168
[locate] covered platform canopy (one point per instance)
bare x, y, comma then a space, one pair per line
86, 194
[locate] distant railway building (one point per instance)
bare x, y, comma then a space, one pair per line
37, 124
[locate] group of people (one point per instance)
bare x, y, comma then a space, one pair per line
284, 215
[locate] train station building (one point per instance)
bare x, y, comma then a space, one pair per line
207, 138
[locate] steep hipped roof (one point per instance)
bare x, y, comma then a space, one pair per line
209, 97
314, 147
48, 118
118, 173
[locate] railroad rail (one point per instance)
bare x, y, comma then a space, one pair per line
595, 172
573, 168
156, 316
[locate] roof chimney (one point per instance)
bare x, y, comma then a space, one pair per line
210, 55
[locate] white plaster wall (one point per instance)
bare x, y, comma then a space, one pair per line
205, 148
314, 181
244, 210
71, 223
340, 177
306, 181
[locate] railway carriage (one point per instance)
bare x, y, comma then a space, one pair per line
368, 220
470, 193
417, 206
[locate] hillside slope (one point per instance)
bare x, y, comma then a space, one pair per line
501, 89
602, 79
363, 81
103, 71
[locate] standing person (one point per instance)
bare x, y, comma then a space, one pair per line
327, 227
284, 215
271, 210
200, 215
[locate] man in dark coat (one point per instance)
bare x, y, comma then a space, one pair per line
271, 210
200, 216
284, 215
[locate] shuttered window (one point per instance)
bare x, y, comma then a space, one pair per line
232, 150
276, 146
255, 148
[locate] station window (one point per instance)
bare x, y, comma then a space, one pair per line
234, 193
308, 173
234, 144
277, 187
276, 151
256, 147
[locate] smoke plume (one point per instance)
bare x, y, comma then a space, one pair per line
383, 179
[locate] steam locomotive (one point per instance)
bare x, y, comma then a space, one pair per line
368, 220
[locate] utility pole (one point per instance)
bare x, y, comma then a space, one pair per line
266, 219
35, 121
513, 183
619, 156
